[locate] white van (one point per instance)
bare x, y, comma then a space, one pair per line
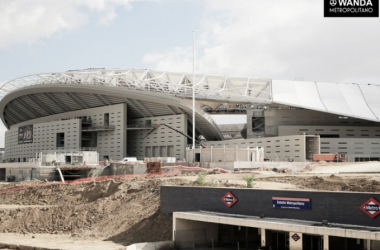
128, 159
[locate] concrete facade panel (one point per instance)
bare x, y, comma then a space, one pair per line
163, 140
283, 148
45, 129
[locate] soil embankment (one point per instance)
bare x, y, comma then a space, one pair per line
122, 211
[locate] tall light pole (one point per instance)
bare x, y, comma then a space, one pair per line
193, 90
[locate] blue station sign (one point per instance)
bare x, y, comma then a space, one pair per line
291, 203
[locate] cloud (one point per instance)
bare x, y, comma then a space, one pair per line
25, 22
278, 39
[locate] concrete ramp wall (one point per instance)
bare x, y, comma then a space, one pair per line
245, 165
160, 245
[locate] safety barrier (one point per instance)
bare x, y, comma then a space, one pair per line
196, 169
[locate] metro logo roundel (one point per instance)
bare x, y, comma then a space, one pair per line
371, 208
229, 199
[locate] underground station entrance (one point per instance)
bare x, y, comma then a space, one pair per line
240, 237
205, 219
215, 236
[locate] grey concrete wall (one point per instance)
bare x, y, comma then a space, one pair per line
224, 154
336, 207
151, 245
122, 169
163, 142
28, 170
224, 165
109, 143
286, 117
356, 142
353, 147
342, 131
276, 148
183, 230
44, 138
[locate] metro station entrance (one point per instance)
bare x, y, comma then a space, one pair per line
312, 242
346, 243
238, 237
277, 240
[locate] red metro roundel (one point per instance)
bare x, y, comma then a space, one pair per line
229, 199
371, 208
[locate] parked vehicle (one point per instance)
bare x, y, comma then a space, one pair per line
128, 159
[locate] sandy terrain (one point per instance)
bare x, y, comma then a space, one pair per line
49, 241
113, 213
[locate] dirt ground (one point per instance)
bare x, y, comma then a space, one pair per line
113, 213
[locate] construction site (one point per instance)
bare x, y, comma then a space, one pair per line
113, 212
124, 159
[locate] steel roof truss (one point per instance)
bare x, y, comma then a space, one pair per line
45, 108
61, 106
135, 107
99, 97
77, 100
26, 107
140, 105
13, 119
20, 114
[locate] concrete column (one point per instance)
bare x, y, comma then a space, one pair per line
367, 244
211, 154
200, 153
174, 227
257, 154
325, 242
193, 154
263, 240
224, 153
295, 244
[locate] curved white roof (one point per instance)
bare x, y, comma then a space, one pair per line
207, 87
353, 100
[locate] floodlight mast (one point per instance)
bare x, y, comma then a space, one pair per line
193, 90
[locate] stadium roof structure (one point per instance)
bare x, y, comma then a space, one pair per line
154, 93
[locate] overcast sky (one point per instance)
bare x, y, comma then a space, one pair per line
280, 39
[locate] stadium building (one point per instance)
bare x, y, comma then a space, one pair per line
113, 112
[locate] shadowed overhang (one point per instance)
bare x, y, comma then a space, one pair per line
38, 101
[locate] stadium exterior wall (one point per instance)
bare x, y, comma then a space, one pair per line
358, 139
163, 142
281, 148
45, 129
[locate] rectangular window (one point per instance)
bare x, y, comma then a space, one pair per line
60, 140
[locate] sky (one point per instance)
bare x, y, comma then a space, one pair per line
278, 39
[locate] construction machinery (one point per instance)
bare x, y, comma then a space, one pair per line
337, 157
176, 130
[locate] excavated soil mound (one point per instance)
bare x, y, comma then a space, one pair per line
121, 210
331, 183
125, 211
